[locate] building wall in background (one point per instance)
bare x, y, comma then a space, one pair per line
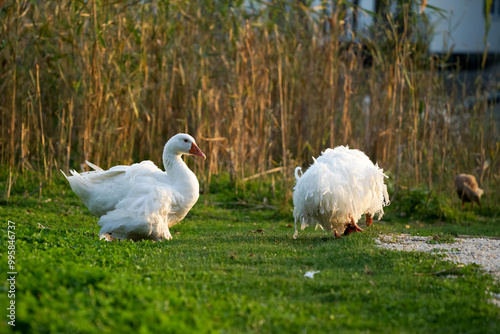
463, 27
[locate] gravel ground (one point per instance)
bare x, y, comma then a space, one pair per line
482, 251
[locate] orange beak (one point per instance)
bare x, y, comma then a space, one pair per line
195, 150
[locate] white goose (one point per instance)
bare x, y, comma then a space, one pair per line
141, 201
337, 189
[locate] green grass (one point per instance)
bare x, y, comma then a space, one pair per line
220, 273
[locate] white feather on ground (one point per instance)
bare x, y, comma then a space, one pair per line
340, 184
310, 274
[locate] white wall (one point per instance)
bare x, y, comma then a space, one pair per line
463, 28
365, 19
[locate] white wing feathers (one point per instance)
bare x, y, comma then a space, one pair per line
94, 167
142, 214
141, 201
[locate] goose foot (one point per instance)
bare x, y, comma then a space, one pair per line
107, 237
352, 227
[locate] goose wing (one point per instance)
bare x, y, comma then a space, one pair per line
146, 213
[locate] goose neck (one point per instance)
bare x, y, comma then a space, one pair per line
180, 176
173, 162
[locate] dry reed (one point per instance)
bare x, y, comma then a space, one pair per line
110, 82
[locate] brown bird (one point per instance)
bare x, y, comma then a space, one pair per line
467, 189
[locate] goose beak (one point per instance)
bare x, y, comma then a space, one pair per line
195, 150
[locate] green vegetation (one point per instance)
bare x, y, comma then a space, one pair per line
262, 90
234, 268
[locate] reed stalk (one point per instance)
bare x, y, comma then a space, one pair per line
259, 90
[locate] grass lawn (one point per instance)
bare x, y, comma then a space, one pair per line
232, 270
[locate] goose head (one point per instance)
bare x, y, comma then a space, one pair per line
180, 144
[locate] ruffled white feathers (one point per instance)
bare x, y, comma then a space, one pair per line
340, 184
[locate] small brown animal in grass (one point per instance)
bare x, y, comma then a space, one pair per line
468, 189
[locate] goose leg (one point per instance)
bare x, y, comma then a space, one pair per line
369, 219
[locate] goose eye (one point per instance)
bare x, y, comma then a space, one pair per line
185, 140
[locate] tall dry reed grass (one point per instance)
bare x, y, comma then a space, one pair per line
262, 90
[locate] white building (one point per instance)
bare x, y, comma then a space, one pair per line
459, 25
463, 26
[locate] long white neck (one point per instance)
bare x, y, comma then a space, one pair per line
172, 162
179, 173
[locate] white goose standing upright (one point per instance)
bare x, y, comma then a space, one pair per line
337, 189
141, 201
